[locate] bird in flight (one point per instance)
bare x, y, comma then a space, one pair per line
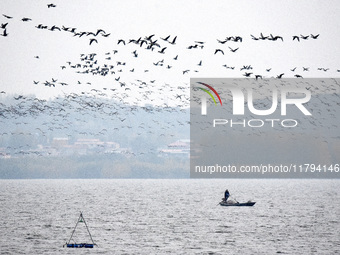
3, 26
233, 50
162, 50
314, 36
148, 38
280, 76
222, 42
93, 40
55, 28
229, 67
19, 97
295, 37
26, 19
192, 47
166, 38
248, 67
51, 6
6, 16
262, 37
323, 69
304, 37
247, 74
135, 54
174, 41
100, 31
218, 50
121, 41
4, 33
274, 38
79, 34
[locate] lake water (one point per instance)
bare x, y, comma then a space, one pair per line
170, 216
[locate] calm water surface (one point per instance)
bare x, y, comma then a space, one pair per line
170, 216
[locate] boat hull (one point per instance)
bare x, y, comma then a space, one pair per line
237, 204
79, 245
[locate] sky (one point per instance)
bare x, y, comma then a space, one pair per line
190, 21
72, 50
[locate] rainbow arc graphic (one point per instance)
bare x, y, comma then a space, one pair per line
209, 93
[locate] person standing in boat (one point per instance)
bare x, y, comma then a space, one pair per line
226, 195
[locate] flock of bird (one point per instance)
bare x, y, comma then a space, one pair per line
112, 64
159, 45
86, 115
126, 97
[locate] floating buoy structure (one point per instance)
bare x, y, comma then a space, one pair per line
73, 244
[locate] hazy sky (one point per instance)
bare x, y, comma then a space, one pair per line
190, 21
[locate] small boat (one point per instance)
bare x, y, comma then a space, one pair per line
237, 204
232, 203
70, 244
